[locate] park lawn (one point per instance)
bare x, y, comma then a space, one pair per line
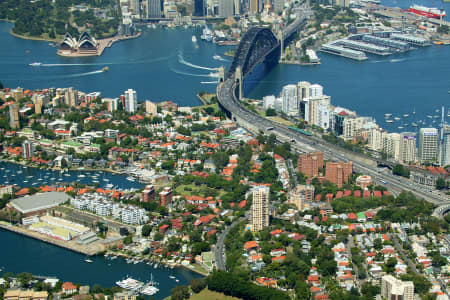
211, 295
196, 190
281, 120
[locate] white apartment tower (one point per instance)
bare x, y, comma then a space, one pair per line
260, 208
444, 145
395, 289
130, 101
428, 144
408, 149
290, 100
315, 90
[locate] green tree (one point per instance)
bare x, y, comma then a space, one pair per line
440, 183
400, 170
198, 284
270, 112
179, 292
146, 229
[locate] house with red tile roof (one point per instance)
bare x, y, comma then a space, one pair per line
69, 288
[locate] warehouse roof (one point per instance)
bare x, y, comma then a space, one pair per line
39, 201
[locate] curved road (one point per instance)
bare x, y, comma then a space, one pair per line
219, 251
302, 143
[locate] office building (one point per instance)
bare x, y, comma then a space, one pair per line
226, 8
260, 208
301, 194
130, 101
148, 193
428, 144
153, 8
338, 172
254, 6
395, 289
165, 196
14, 116
199, 8
310, 164
408, 149
444, 145
289, 100
27, 149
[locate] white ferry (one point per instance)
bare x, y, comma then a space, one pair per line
194, 39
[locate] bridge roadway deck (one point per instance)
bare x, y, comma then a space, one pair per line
301, 143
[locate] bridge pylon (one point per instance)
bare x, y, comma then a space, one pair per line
281, 40
222, 74
239, 80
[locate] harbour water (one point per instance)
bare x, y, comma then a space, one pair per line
24, 254
33, 177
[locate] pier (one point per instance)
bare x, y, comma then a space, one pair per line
89, 250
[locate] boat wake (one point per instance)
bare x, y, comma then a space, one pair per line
397, 59
189, 74
182, 61
71, 65
209, 82
83, 74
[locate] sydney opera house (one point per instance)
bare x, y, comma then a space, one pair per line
85, 45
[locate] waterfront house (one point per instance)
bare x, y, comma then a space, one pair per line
69, 288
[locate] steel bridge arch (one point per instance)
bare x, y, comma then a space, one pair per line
254, 47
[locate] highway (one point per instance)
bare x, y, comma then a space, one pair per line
304, 144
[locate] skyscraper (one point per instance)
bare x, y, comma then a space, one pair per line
290, 100
444, 145
199, 8
27, 149
153, 8
14, 116
130, 101
260, 208
428, 144
226, 8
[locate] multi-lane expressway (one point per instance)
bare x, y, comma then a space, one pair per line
362, 164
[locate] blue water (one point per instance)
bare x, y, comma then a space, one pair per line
24, 254
162, 64
34, 177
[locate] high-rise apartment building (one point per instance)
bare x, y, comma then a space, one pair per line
111, 103
310, 163
71, 97
391, 145
14, 116
315, 90
428, 144
444, 145
237, 7
165, 196
408, 148
318, 111
130, 101
260, 208
199, 8
27, 149
153, 8
226, 8
395, 289
151, 108
278, 6
289, 100
254, 6
38, 106
148, 193
301, 194
338, 172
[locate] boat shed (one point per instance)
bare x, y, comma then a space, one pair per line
38, 204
